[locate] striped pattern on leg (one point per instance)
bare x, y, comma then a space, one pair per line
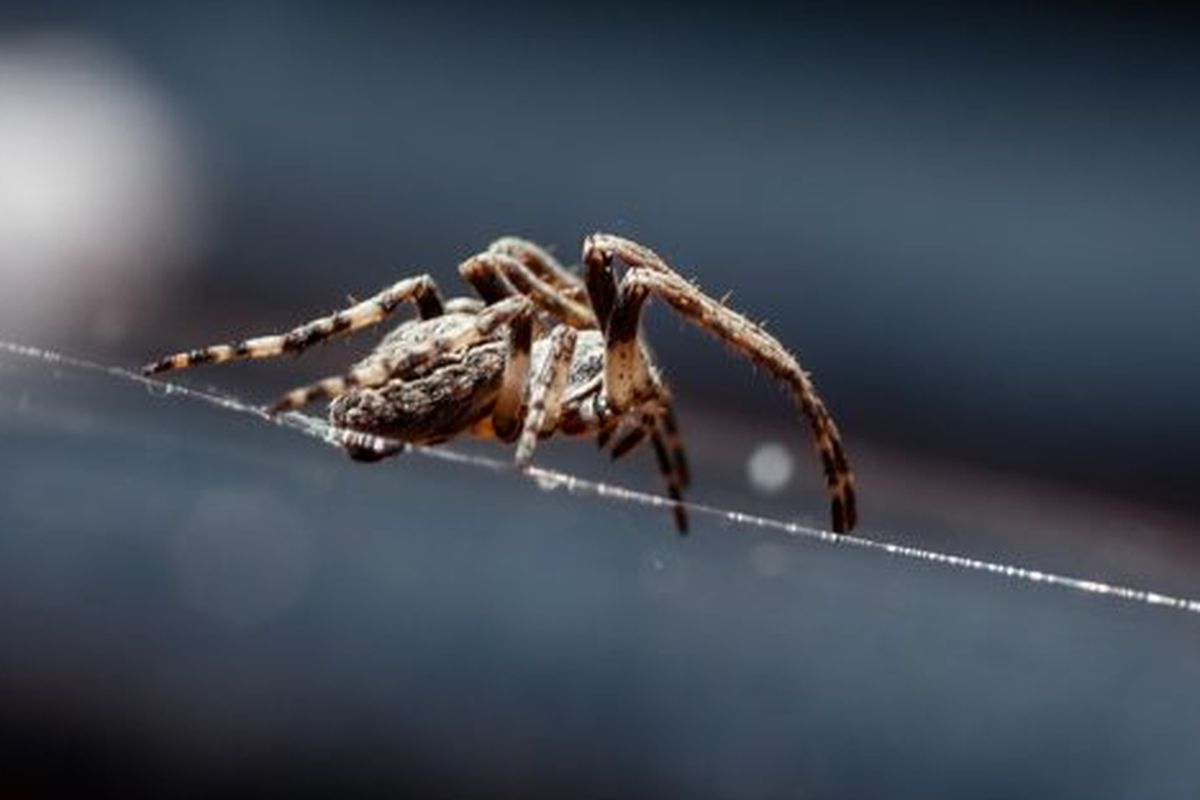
674, 442
667, 451
542, 264
506, 414
669, 469
631, 438
545, 392
496, 275
650, 273
421, 290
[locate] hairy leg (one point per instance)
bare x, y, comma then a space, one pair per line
506, 414
626, 377
676, 483
497, 275
669, 454
421, 290
546, 388
542, 263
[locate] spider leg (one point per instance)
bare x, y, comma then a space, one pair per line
631, 439
377, 370
421, 290
546, 390
674, 443
366, 448
509, 266
495, 275
669, 468
626, 375
669, 455
604, 436
506, 413
544, 265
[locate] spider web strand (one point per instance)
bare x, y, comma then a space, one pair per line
552, 479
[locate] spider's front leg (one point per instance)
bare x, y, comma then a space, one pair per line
624, 375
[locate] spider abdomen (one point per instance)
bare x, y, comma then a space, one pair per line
437, 405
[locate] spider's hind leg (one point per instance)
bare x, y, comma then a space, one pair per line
378, 369
421, 290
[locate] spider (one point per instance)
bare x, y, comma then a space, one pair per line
539, 351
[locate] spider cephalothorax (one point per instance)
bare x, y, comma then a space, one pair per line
539, 351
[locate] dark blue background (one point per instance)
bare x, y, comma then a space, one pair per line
979, 229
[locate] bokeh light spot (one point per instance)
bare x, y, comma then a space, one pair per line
98, 190
770, 467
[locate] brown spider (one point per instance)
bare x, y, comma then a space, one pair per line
465, 365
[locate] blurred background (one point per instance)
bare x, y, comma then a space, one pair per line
978, 227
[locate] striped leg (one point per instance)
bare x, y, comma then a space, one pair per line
631, 437
676, 482
628, 379
674, 442
544, 265
648, 273
546, 391
496, 275
421, 290
506, 414
378, 369
672, 464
